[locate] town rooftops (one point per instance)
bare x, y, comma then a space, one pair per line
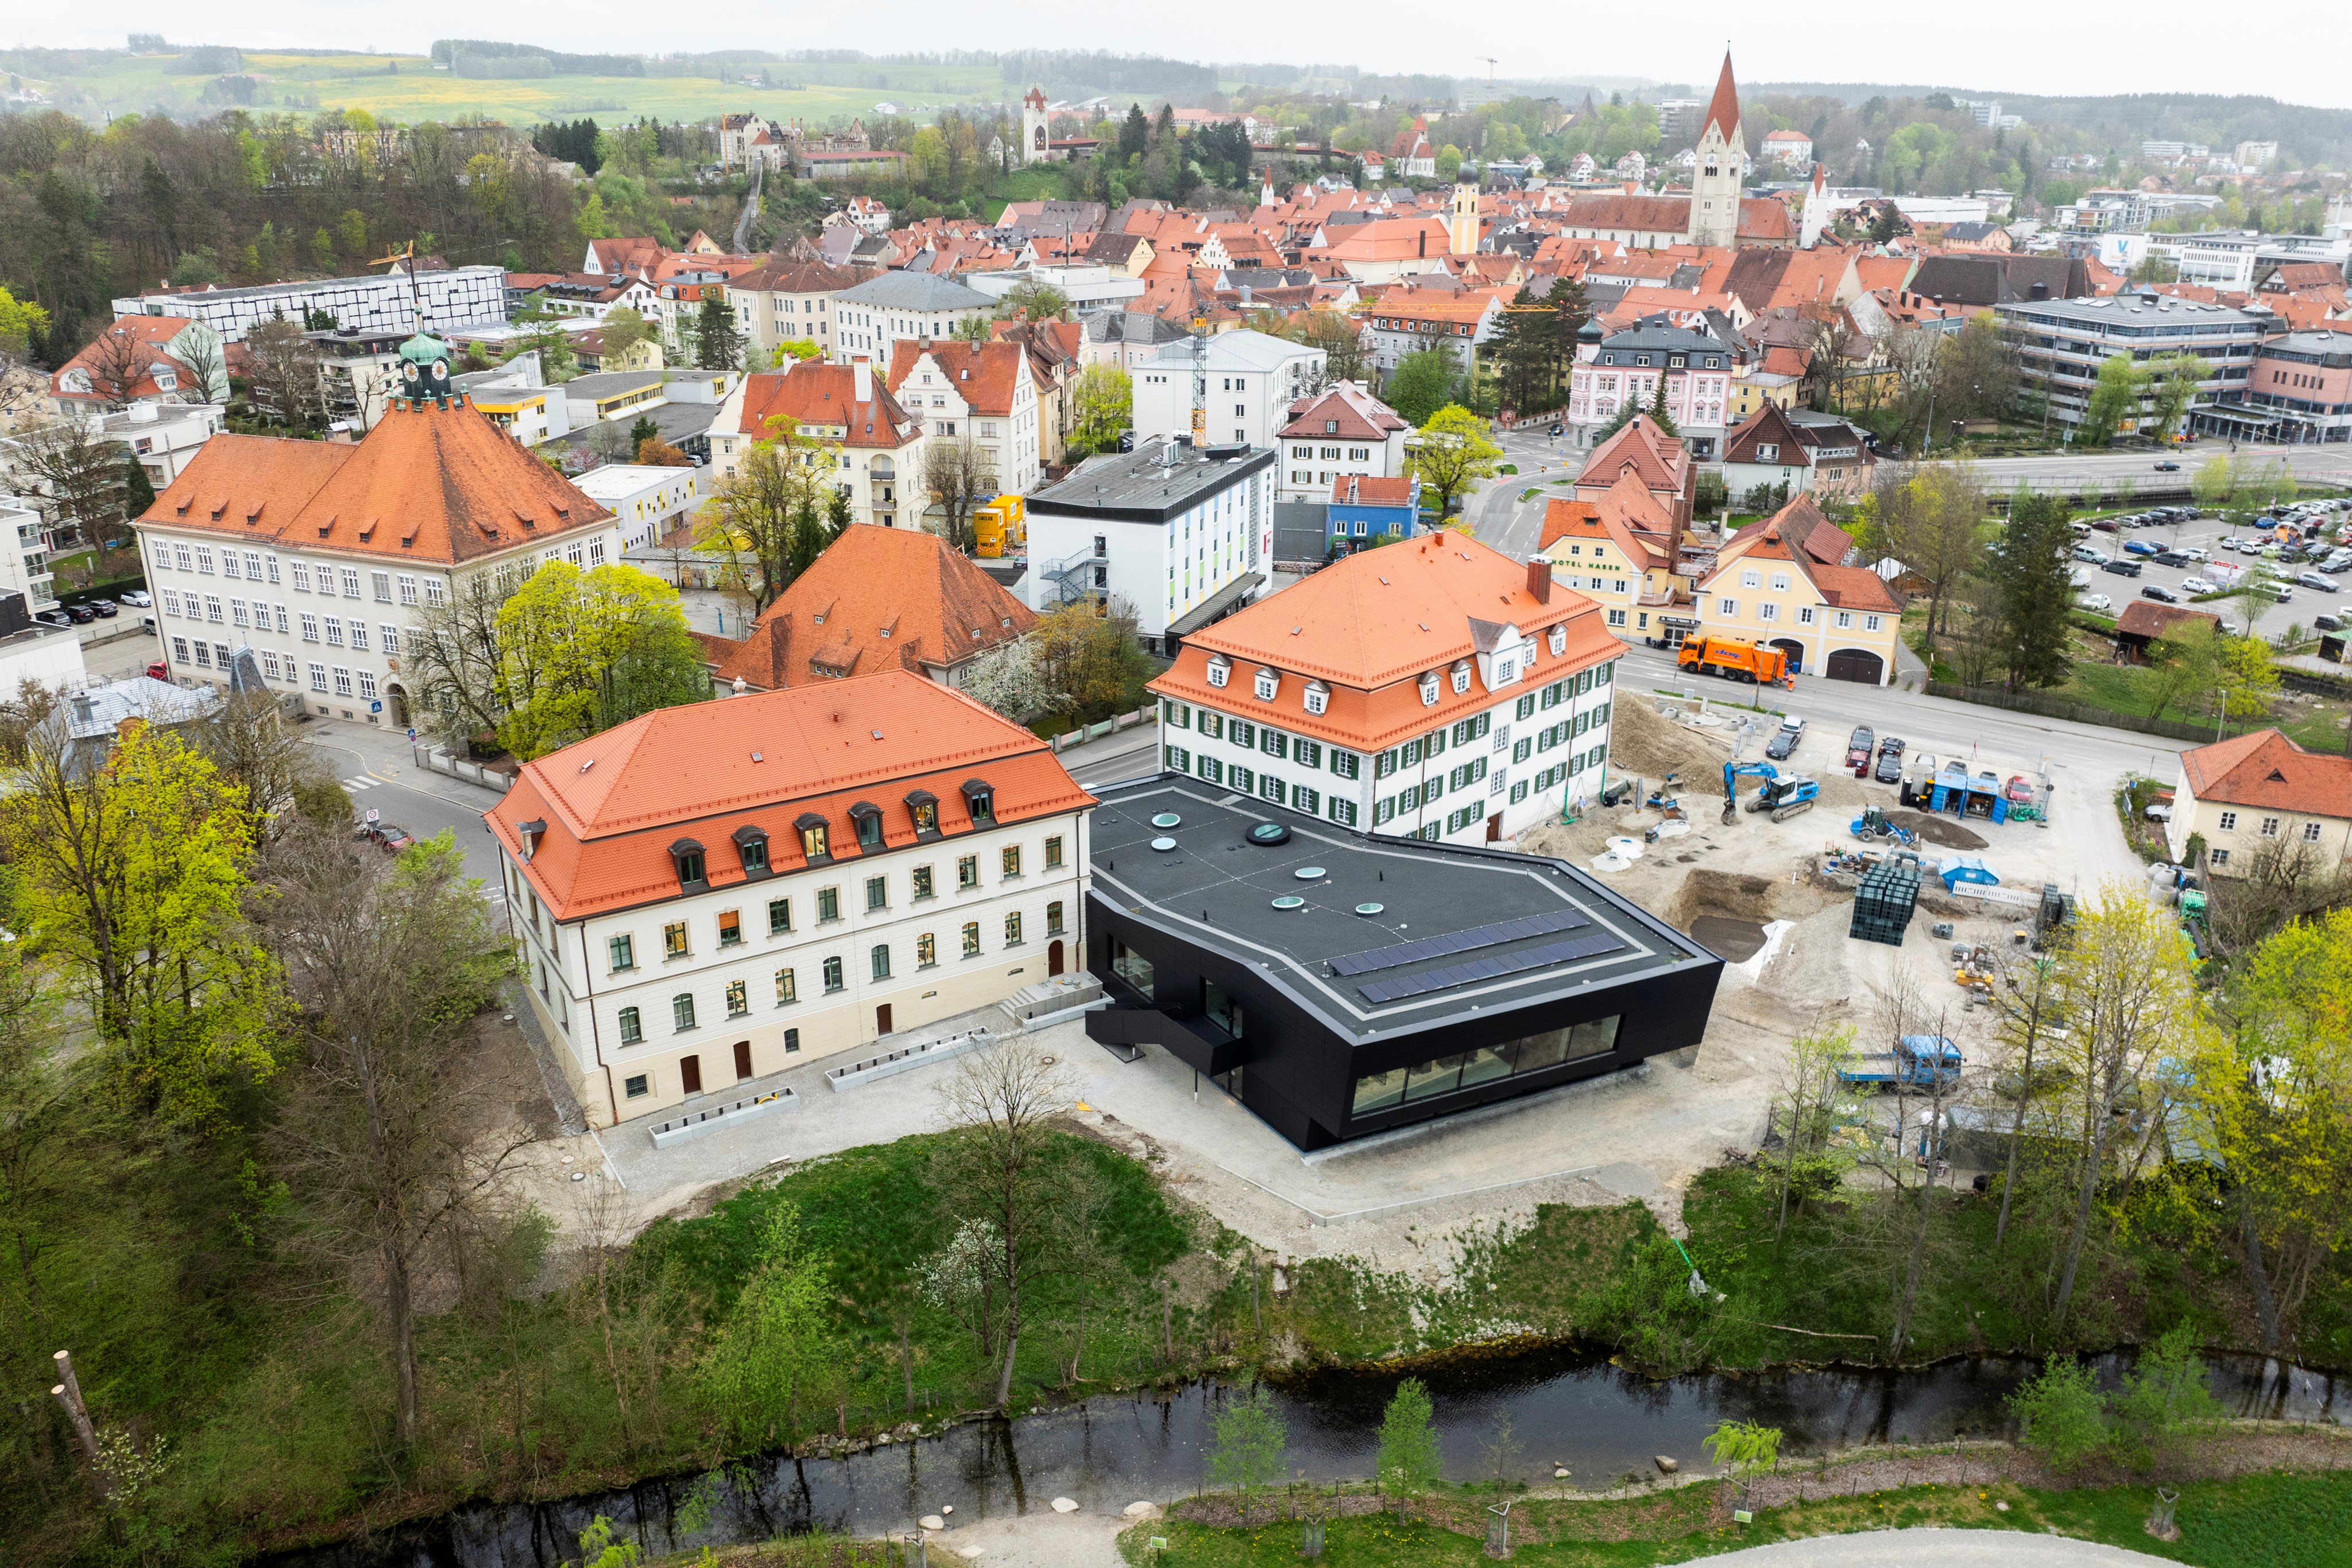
1393, 935
2267, 771
1345, 411
1365, 490
1239, 349
1146, 485
915, 291
812, 392
603, 816
427, 483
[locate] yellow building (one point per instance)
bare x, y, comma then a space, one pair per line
1786, 582
1619, 548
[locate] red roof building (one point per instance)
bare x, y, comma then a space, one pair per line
844, 404
1433, 688
2264, 806
710, 896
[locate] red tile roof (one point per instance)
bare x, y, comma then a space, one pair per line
2268, 771
427, 484
1723, 108
1660, 460
1365, 490
614, 804
876, 599
984, 375
1372, 624
1355, 413
811, 391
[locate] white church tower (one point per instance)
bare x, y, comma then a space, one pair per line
1462, 221
1722, 167
1816, 216
1032, 127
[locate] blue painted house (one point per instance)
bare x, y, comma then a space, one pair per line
1366, 510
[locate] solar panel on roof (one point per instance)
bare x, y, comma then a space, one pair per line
1585, 946
1501, 931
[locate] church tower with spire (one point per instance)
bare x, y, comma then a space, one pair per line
1462, 219
1032, 127
1719, 176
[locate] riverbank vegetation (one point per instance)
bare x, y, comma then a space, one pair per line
2271, 1521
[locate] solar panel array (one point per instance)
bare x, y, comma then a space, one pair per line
1454, 975
1502, 931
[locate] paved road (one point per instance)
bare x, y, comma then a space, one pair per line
1937, 1549
2130, 471
378, 772
750, 212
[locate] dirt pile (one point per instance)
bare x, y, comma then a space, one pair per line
1935, 829
1645, 742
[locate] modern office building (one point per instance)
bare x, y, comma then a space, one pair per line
455, 298
1339, 986
2062, 342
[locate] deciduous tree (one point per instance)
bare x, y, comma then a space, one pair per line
580, 652
960, 475
775, 1348
1451, 453
1103, 399
1932, 520
747, 528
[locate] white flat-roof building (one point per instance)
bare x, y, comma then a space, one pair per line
460, 297
648, 499
1253, 378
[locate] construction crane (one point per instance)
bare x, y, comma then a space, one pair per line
406, 253
1491, 63
1200, 378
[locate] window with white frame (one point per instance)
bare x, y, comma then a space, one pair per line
317, 677
1319, 697
213, 608
351, 582
1462, 677
1221, 670
1768, 611
187, 562
1844, 619
1727, 608
1751, 580
367, 684
2269, 827
1804, 614
2311, 832
390, 643
2229, 821
407, 588
343, 682
1266, 684
302, 575
433, 590
1870, 622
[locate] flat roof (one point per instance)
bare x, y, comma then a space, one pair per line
1459, 930
1143, 487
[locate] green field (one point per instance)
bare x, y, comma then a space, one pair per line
415, 91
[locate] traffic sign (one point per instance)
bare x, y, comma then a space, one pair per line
371, 814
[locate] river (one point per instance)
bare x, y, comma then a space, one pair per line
1566, 1407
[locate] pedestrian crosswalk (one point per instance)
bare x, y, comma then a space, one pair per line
362, 781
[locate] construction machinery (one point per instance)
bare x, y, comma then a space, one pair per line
1873, 824
1918, 1062
1734, 659
1732, 773
1786, 798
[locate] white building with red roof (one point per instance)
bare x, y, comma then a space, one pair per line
710, 896
1433, 689
985, 393
1785, 581
143, 359
2263, 803
877, 441
1343, 431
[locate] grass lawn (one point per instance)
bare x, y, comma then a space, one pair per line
2258, 1521
2130, 689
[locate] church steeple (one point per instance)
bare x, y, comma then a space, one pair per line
1718, 177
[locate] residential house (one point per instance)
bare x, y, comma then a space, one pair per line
880, 441
1182, 534
1434, 689
160, 358
1660, 464
871, 319
1792, 148
710, 895
1056, 357
789, 301
1339, 432
1362, 512
2265, 807
1621, 548
985, 393
164, 437
1253, 381
1617, 370
1809, 452
877, 598
1771, 584
308, 562
647, 500
1413, 320
588, 351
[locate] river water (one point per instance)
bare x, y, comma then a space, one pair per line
1566, 1407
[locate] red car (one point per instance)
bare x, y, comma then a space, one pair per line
392, 839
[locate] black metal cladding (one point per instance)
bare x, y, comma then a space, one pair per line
1519, 963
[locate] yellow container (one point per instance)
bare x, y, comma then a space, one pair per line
1002, 526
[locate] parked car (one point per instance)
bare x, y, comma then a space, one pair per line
2327, 623
2281, 594
1784, 741
139, 599
2106, 526
2314, 579
385, 836
2138, 547
81, 614
2170, 557
2019, 789
1858, 745
2197, 585
2198, 552
2122, 568
106, 608
2085, 552
2168, 468
159, 671
1890, 761
2160, 593
2097, 601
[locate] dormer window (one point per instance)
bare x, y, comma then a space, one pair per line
1557, 639
752, 849
1767, 451
1221, 670
1461, 677
686, 855
1319, 697
979, 799
923, 807
866, 819
530, 833
1266, 684
1429, 689
815, 837
1507, 671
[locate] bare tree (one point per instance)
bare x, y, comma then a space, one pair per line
960, 475
77, 475
393, 1142
453, 662
1830, 336
207, 359
2027, 1000
996, 1167
116, 361
248, 739
284, 385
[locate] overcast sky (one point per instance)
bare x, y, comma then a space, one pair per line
2062, 50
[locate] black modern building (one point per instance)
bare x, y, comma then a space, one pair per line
1340, 985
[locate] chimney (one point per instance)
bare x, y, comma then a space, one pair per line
1539, 580
1424, 238
861, 379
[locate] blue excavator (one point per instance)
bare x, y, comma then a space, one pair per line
1784, 798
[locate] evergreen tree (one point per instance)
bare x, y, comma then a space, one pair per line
645, 430
718, 343
2029, 572
1134, 135
1570, 313
1525, 353
1658, 415
138, 495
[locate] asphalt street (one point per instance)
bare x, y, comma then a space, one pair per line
378, 771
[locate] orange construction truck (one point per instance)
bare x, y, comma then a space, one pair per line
1734, 660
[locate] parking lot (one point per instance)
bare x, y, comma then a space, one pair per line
2218, 565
